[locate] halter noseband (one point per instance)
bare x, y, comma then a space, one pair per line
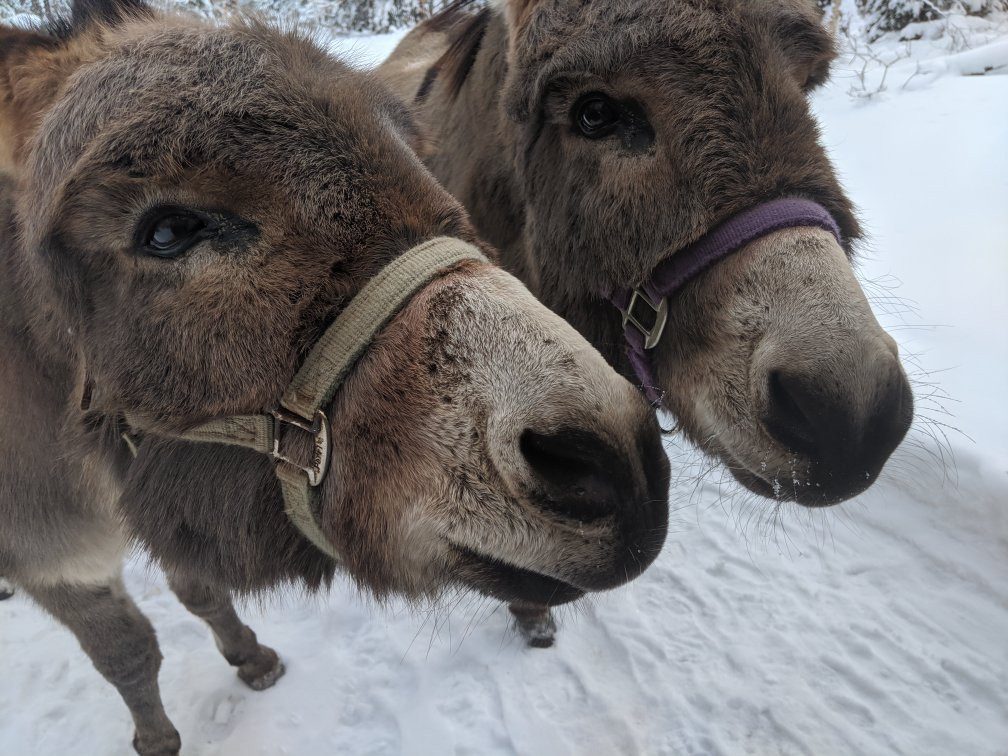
323, 372
645, 308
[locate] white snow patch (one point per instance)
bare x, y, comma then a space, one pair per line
365, 51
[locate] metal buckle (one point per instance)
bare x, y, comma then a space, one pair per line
319, 429
653, 333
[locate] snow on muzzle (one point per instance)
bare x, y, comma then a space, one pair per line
827, 400
503, 452
830, 383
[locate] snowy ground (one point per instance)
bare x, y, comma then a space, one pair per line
879, 627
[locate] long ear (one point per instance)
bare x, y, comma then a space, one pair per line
520, 88
83, 13
518, 14
25, 88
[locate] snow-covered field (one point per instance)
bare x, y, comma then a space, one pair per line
878, 627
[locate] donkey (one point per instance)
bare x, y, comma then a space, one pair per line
192, 214
661, 157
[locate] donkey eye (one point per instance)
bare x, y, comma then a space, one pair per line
168, 234
596, 116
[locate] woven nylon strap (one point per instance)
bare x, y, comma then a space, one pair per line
650, 299
327, 366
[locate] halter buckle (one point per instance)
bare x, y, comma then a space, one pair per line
653, 333
321, 439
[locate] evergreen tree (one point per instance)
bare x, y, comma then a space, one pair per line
894, 15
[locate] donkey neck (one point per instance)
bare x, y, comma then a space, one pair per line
226, 525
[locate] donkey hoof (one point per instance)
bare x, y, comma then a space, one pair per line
538, 630
539, 638
6, 590
263, 670
160, 744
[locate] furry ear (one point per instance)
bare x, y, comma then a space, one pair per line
20, 100
522, 87
518, 14
83, 13
808, 45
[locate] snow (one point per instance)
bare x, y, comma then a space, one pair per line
366, 51
877, 627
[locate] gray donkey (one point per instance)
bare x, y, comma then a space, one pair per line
193, 217
651, 170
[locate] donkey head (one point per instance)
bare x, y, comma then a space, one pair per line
640, 126
198, 203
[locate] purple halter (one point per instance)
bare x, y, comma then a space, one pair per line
645, 309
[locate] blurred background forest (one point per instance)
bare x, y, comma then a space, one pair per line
863, 19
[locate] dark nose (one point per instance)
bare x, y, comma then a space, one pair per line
582, 477
845, 419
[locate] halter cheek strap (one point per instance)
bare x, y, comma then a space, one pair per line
645, 308
323, 372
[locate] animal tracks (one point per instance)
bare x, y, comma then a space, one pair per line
222, 712
858, 648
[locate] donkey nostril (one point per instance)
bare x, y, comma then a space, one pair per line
555, 457
787, 418
846, 416
577, 473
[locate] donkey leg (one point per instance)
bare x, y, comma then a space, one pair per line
122, 645
535, 624
259, 667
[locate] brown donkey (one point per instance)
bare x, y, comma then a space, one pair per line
614, 152
188, 213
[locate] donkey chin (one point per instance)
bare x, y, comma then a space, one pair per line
591, 525
798, 389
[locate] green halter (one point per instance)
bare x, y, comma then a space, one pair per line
321, 375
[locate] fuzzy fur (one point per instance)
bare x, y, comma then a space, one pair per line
723, 85
308, 171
